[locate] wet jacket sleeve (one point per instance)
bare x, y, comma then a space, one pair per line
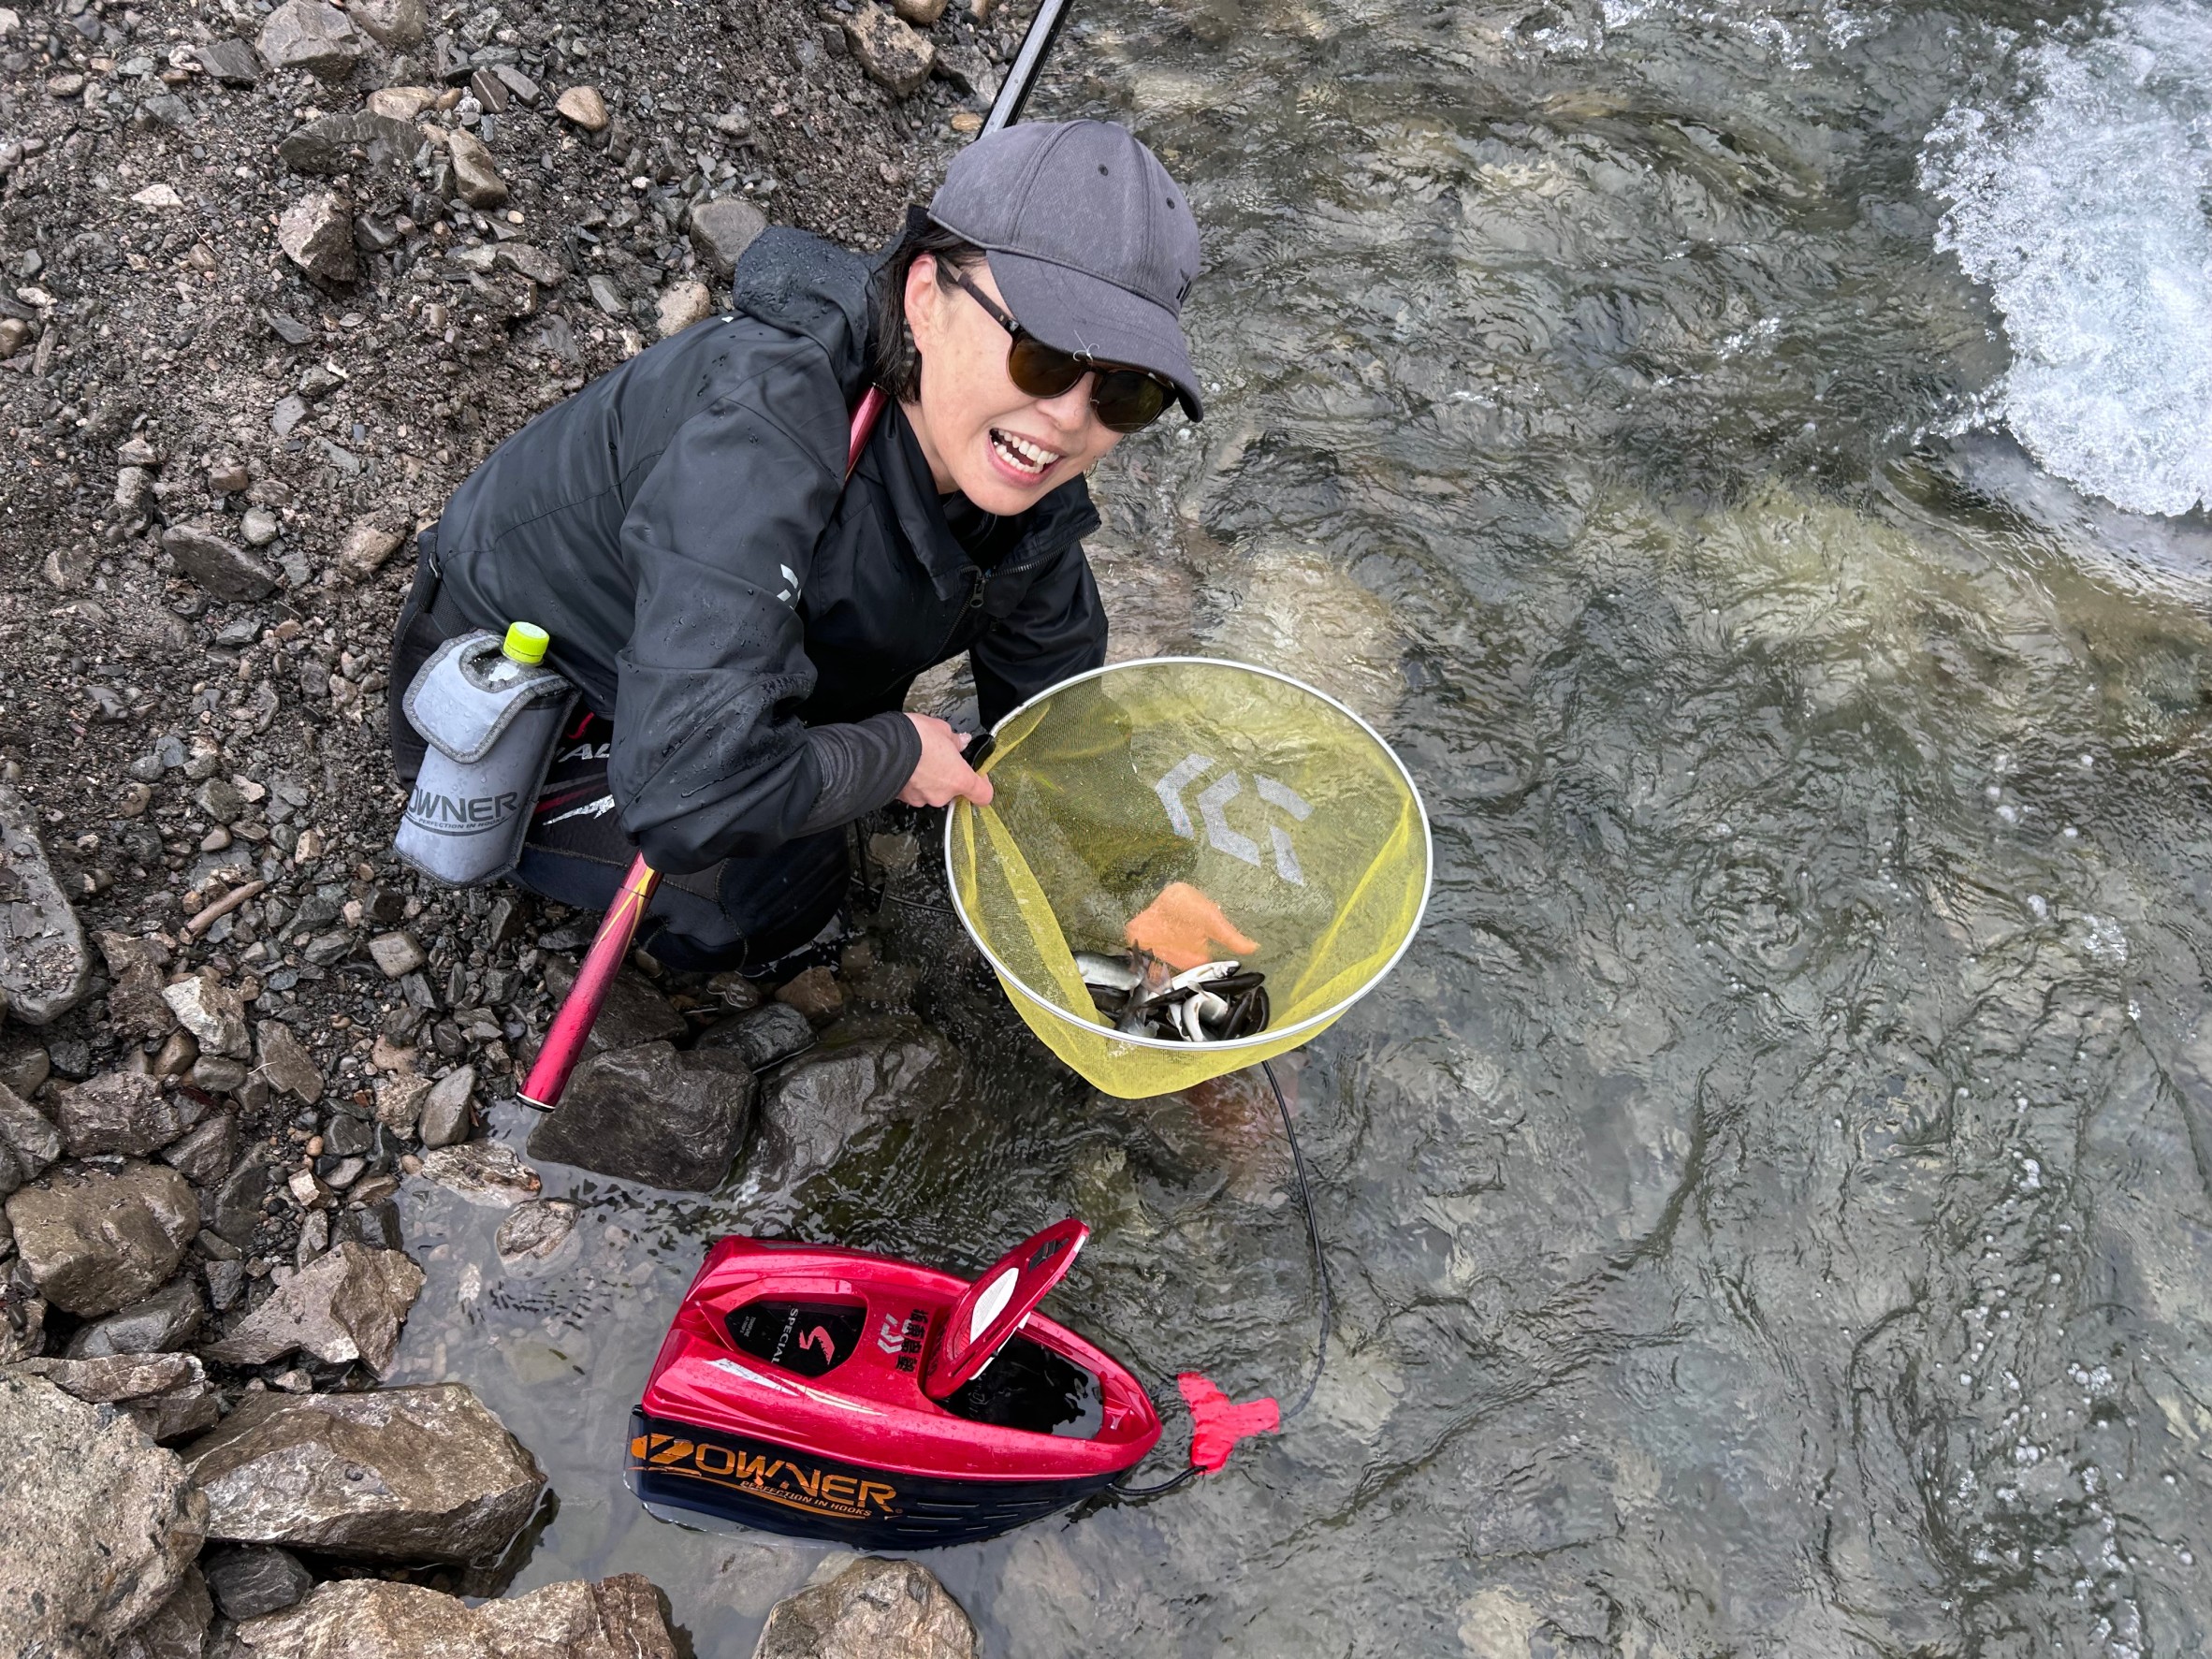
862, 765
710, 759
1055, 630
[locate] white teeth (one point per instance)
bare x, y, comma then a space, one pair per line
1030, 458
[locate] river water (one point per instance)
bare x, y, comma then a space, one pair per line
1770, 1208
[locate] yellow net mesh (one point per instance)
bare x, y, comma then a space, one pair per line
1274, 802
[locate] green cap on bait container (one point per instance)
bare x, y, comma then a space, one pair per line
526, 643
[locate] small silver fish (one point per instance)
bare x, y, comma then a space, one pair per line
1106, 972
1149, 989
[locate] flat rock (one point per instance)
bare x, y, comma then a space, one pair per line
475, 173
618, 1617
543, 268
45, 967
287, 1063
179, 1629
256, 1578
226, 571
652, 1114
346, 1305
722, 230
446, 1114
632, 1013
97, 1525
121, 1113
681, 305
397, 954
349, 144
310, 36
316, 233
534, 1231
401, 102
204, 1152
861, 1077
167, 1395
396, 23
760, 1036
872, 1610
483, 1171
231, 61
137, 970
890, 50
164, 1321
399, 1100
583, 106
95, 1241
214, 1014
404, 1475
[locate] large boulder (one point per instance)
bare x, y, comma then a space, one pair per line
45, 967
121, 1113
871, 1609
406, 1475
95, 1239
307, 35
760, 1036
97, 1524
652, 1114
861, 1076
618, 1617
345, 1306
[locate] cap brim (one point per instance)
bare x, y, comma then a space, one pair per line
1079, 312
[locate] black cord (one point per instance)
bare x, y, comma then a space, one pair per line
1170, 1484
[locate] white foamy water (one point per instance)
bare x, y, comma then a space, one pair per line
2084, 207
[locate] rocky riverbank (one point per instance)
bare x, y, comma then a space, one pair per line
271, 280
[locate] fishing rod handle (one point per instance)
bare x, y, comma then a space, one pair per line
595, 976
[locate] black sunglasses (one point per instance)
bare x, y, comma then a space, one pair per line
1128, 400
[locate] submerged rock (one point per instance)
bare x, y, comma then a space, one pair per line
346, 1305
534, 1231
45, 967
871, 1609
652, 1114
96, 1525
861, 1076
483, 1171
409, 1474
618, 1617
95, 1242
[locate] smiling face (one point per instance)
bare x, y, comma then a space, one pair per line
983, 435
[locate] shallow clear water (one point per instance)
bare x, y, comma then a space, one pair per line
1772, 1207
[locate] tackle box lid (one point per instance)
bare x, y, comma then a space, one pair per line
997, 1304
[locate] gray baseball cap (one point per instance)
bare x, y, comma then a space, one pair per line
1092, 244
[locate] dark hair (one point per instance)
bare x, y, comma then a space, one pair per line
895, 365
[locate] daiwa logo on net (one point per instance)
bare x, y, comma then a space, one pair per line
1213, 803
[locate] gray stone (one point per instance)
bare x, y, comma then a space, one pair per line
213, 1012
861, 1076
164, 1321
350, 143
760, 1036
605, 296
310, 36
316, 233
632, 1013
94, 1241
346, 1305
179, 1629
652, 1114
221, 800
475, 174
483, 1171
286, 412
618, 1617
256, 1578
168, 1395
543, 268
871, 1609
724, 229
230, 62
121, 1113
287, 1063
97, 1525
397, 954
31, 1143
399, 1101
218, 1075
136, 971
204, 1152
403, 1475
396, 23
446, 1116
238, 1205
534, 1231
25, 1065
23, 1321
45, 967
222, 569
892, 53
259, 527
583, 106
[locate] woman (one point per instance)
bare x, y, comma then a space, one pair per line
742, 624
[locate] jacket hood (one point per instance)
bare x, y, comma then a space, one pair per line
798, 282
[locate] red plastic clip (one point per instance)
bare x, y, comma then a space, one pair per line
1217, 1422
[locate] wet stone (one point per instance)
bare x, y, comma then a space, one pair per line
872, 1607
224, 570
535, 1231
121, 1113
237, 1203
618, 1617
95, 1241
633, 1013
760, 1036
204, 1152
167, 1395
823, 1102
166, 1320
219, 1075
287, 1063
45, 967
652, 1114
446, 1114
482, 1172
346, 1305
815, 993
251, 1580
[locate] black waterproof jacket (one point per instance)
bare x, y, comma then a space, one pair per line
682, 529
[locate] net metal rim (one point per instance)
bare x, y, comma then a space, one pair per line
1259, 1038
